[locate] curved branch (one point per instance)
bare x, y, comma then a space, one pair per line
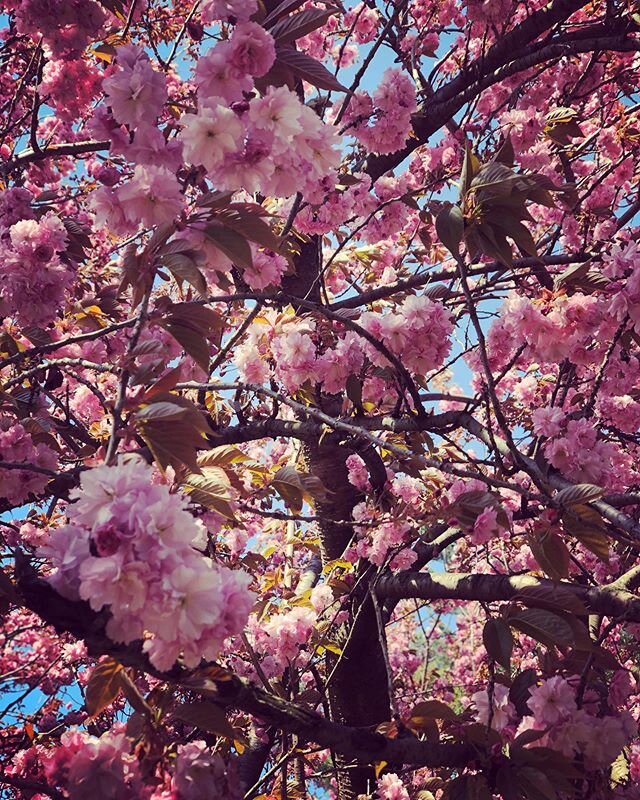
609, 600
362, 744
30, 155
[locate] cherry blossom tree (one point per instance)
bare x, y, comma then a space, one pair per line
320, 399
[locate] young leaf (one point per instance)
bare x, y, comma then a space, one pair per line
173, 431
248, 223
578, 494
429, 710
552, 554
184, 268
285, 7
556, 598
543, 626
211, 488
450, 228
308, 69
287, 483
103, 686
231, 243
498, 642
520, 690
293, 27
207, 717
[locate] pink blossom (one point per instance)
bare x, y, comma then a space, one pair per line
240, 10
547, 421
267, 269
555, 700
98, 767
390, 787
215, 76
202, 775
252, 50
503, 709
364, 21
18, 447
211, 134
146, 569
485, 527
152, 196
135, 91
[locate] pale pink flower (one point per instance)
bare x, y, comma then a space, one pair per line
152, 196
278, 112
242, 10
252, 50
390, 787
547, 421
130, 546
215, 76
211, 134
135, 91
503, 709
202, 775
552, 702
485, 527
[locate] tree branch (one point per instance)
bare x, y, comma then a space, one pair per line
363, 744
609, 600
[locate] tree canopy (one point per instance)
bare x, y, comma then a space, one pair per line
319, 399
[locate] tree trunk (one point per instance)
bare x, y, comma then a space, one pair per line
357, 691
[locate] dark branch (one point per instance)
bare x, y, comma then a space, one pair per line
609, 600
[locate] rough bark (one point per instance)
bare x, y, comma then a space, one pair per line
357, 690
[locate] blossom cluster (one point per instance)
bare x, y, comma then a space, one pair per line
88, 766
271, 144
382, 123
17, 447
418, 331
34, 274
562, 725
66, 26
131, 545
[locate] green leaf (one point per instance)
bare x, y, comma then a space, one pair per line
184, 268
205, 716
620, 769
429, 710
293, 27
470, 166
493, 243
231, 243
450, 228
578, 494
552, 554
543, 626
515, 230
308, 69
498, 642
103, 686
